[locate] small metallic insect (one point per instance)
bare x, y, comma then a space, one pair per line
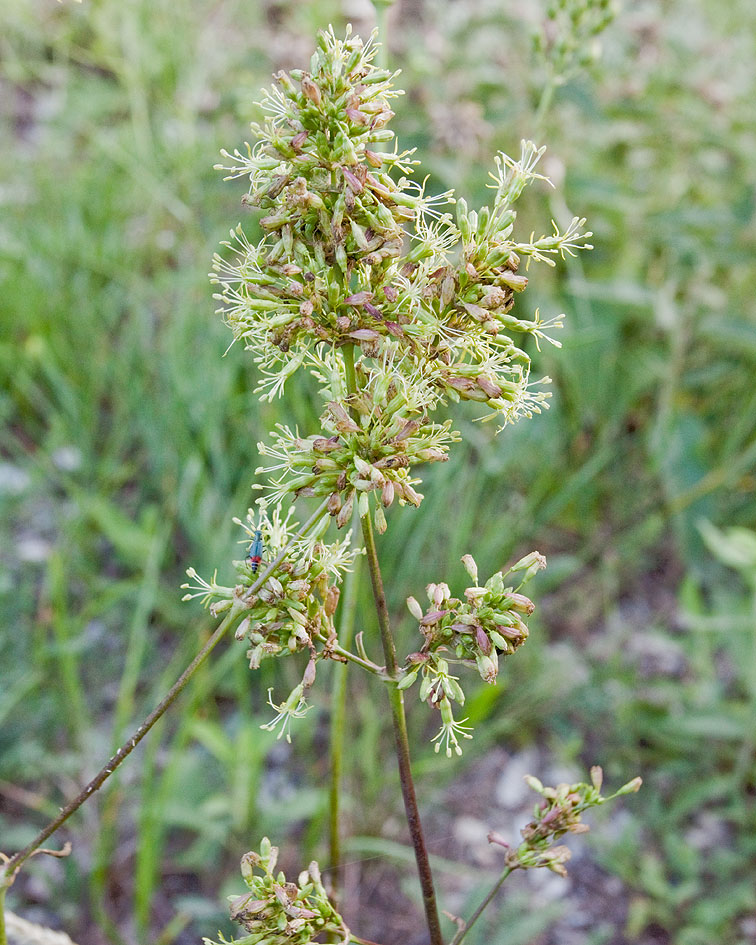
255, 553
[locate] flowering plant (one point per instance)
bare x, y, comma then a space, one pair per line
397, 302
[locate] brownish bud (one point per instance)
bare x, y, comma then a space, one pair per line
332, 600
358, 299
516, 282
462, 384
521, 604
353, 182
277, 185
346, 511
432, 455
409, 495
481, 638
383, 118
299, 139
417, 659
364, 334
433, 617
373, 159
309, 674
326, 445
311, 90
487, 385
476, 311
342, 418
407, 430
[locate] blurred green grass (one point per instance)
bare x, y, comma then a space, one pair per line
128, 442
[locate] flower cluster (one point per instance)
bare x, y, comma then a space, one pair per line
277, 912
333, 210
367, 448
293, 608
487, 623
569, 41
558, 813
395, 306
355, 257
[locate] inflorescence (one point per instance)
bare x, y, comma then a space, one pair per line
396, 302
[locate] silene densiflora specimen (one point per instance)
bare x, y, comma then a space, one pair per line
397, 302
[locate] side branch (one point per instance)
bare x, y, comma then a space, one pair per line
481, 908
237, 610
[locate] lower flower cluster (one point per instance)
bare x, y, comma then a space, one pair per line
558, 813
486, 624
277, 912
289, 610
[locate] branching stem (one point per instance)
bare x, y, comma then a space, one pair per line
358, 660
3, 935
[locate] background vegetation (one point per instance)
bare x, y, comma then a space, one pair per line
128, 442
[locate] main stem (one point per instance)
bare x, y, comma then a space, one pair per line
233, 616
396, 700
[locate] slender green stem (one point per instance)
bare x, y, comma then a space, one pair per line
3, 935
481, 908
396, 699
544, 104
338, 713
353, 658
234, 615
16, 861
351, 377
379, 596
